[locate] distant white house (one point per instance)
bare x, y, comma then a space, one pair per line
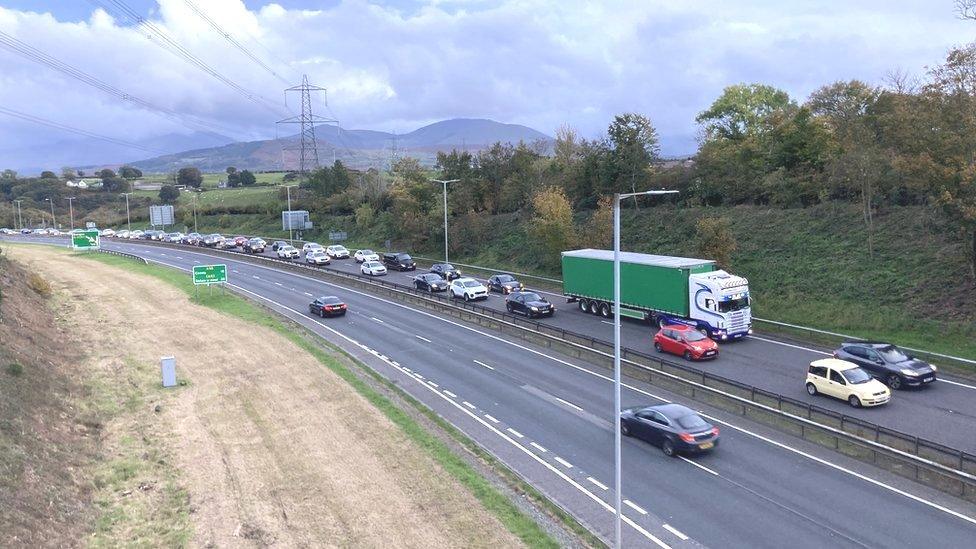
81, 184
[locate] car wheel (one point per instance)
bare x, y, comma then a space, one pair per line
605, 310
668, 448
658, 348
467, 297
508, 306
624, 430
687, 355
584, 305
322, 313
811, 389
854, 401
894, 382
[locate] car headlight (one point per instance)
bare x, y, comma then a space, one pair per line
934, 369
535, 308
909, 372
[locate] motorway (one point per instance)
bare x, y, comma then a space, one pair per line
944, 412
547, 417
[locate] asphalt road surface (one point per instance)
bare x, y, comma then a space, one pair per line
548, 417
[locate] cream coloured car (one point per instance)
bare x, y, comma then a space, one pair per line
846, 381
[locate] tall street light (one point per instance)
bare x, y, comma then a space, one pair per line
20, 215
618, 500
128, 220
291, 236
445, 210
54, 222
71, 211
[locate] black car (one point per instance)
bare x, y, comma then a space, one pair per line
277, 244
328, 305
529, 304
887, 363
399, 261
430, 282
504, 283
192, 239
673, 427
446, 271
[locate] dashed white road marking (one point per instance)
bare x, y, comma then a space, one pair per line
469, 405
491, 419
308, 294
377, 320
570, 404
256, 277
564, 463
432, 384
607, 322
422, 338
450, 394
597, 483
537, 447
635, 507
676, 532
278, 284
699, 465
514, 432
479, 363
235, 271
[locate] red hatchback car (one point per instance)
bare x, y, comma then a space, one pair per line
685, 341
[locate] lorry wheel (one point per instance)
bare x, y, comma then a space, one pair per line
594, 307
605, 310
661, 323
704, 332
584, 305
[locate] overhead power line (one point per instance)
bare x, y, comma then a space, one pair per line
234, 42
64, 127
38, 56
163, 40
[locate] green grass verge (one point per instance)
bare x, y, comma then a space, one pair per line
521, 525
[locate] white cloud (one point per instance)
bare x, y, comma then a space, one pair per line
538, 62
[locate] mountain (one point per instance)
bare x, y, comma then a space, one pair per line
87, 153
356, 148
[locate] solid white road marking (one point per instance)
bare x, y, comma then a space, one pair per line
564, 463
700, 466
957, 383
450, 394
635, 507
469, 405
537, 447
514, 432
570, 404
676, 532
491, 419
479, 363
422, 338
606, 378
607, 322
599, 484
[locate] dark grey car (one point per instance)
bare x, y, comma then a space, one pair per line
888, 363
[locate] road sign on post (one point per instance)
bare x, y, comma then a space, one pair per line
337, 236
209, 274
85, 240
161, 215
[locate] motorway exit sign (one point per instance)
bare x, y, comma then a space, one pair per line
209, 274
85, 240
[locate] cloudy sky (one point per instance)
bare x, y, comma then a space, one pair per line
397, 65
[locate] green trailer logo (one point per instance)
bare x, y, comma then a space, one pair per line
85, 240
209, 274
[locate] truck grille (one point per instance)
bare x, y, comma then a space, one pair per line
739, 321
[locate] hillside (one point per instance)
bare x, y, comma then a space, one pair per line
356, 148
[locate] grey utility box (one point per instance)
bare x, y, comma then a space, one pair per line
168, 365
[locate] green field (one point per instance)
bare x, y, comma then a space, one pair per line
240, 196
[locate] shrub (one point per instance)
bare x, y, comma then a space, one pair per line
37, 283
15, 369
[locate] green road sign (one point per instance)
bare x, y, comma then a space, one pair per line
86, 240
209, 274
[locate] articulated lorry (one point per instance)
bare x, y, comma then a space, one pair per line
660, 289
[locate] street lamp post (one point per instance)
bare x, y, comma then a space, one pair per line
445, 210
54, 221
128, 220
20, 215
71, 211
618, 499
291, 236
195, 195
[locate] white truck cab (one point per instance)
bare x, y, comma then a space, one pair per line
721, 300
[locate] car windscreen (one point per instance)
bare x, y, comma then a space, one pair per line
447, 267
533, 297
404, 257
893, 354
331, 300
506, 278
691, 421
366, 252
472, 284
856, 376
693, 335
733, 305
